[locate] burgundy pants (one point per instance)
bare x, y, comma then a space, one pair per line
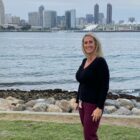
89, 126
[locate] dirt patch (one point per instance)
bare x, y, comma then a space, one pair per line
70, 118
129, 122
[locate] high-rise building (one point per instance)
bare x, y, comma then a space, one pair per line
8, 18
131, 19
61, 21
89, 18
16, 20
96, 14
81, 22
50, 19
70, 19
73, 18
2, 13
33, 18
41, 16
101, 18
109, 14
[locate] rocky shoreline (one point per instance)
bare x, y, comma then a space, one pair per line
58, 94
59, 100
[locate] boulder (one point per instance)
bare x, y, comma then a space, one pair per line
30, 103
14, 101
50, 100
64, 105
40, 107
53, 108
19, 107
126, 103
136, 111
72, 103
110, 102
109, 109
136, 104
4, 105
122, 111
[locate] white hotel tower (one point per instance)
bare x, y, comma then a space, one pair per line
2, 13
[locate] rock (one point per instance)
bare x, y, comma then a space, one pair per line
53, 108
109, 109
126, 103
112, 96
50, 100
136, 104
14, 101
19, 107
72, 103
30, 103
40, 100
64, 105
122, 111
136, 111
40, 107
4, 105
46, 101
110, 102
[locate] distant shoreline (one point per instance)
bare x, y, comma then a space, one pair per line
69, 31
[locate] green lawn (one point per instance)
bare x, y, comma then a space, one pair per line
28, 130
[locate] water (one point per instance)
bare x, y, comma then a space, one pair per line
50, 60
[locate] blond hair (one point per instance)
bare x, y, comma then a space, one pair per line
98, 51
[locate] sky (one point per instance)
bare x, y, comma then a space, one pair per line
122, 9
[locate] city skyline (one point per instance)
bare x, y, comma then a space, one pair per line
122, 10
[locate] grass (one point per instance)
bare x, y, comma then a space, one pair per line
29, 130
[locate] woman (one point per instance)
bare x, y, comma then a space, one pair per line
93, 78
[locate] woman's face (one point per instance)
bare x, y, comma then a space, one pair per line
89, 45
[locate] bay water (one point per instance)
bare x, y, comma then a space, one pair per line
38, 60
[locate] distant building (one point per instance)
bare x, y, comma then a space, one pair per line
131, 19
60, 21
2, 13
8, 18
101, 18
16, 20
121, 21
50, 19
73, 18
70, 19
41, 16
80, 22
33, 18
109, 14
23, 22
89, 18
96, 14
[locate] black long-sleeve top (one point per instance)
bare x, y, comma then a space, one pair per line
93, 82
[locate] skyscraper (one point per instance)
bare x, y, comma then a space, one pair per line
50, 19
70, 19
41, 16
109, 14
33, 18
67, 20
2, 13
96, 14
89, 18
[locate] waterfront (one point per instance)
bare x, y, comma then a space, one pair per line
50, 60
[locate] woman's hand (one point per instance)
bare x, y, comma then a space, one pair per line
97, 113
